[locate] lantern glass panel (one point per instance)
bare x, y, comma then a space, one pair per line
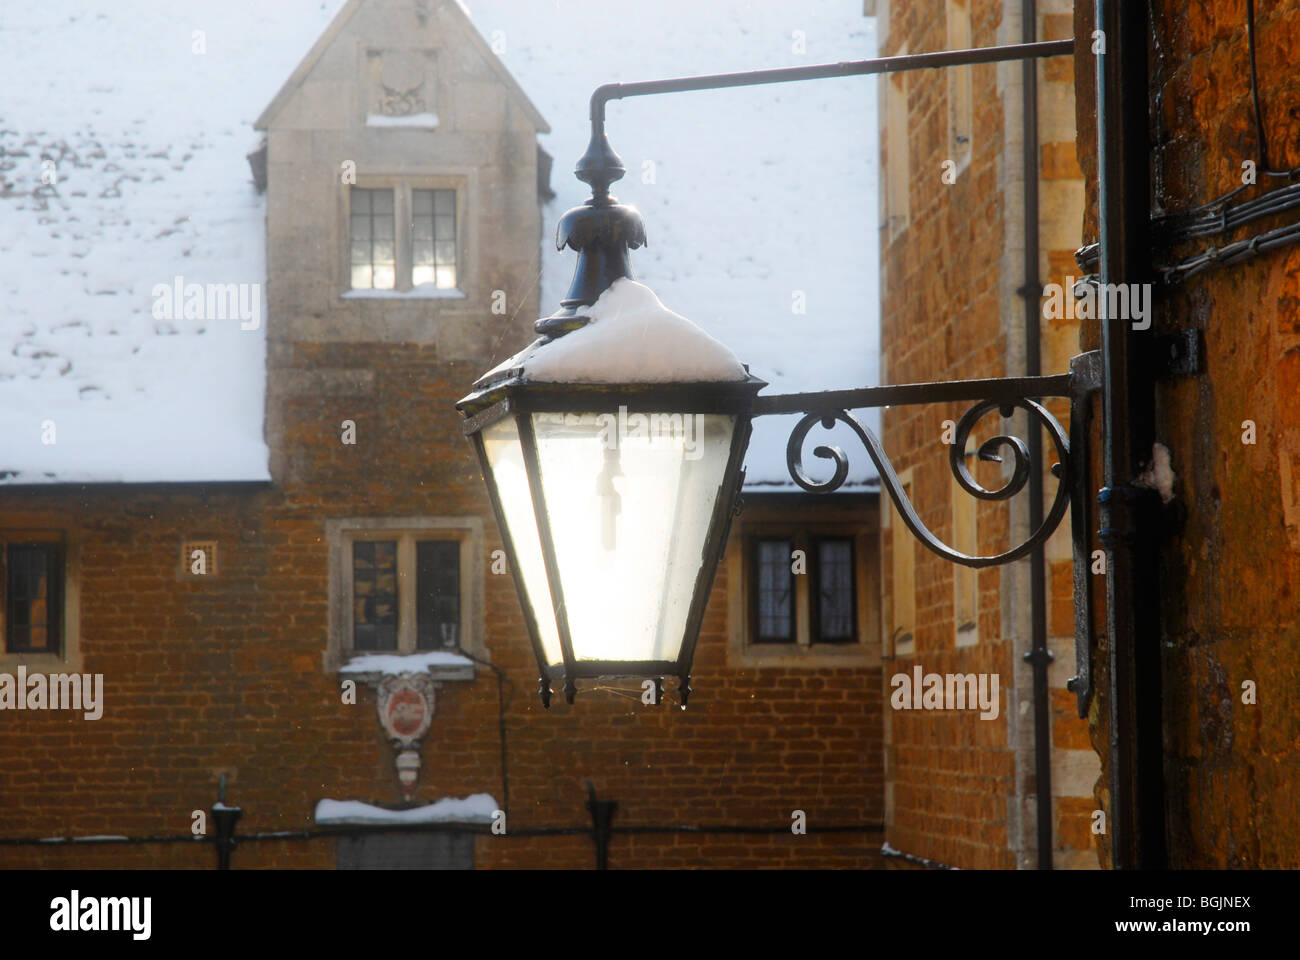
506, 461
630, 498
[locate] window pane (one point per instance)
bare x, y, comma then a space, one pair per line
437, 586
34, 592
774, 592
371, 249
433, 218
374, 594
835, 591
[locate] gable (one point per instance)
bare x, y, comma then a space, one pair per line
391, 58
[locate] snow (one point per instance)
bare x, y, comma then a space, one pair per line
476, 808
756, 199
149, 142
1159, 474
633, 338
749, 194
422, 291
886, 850
422, 121
392, 663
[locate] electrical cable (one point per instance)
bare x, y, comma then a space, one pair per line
1214, 216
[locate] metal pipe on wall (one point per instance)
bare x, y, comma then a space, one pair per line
1128, 515
1039, 657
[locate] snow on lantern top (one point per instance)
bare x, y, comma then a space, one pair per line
630, 337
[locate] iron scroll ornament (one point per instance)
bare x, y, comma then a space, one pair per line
988, 451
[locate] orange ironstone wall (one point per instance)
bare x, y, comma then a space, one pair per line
1230, 602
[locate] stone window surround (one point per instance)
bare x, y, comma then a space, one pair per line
464, 182
957, 16
339, 535
70, 659
903, 547
759, 521
896, 181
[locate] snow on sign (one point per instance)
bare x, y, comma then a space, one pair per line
476, 808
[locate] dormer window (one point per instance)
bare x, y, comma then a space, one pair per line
404, 239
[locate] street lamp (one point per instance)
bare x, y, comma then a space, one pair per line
612, 450
612, 446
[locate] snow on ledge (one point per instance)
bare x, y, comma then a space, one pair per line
394, 663
422, 121
425, 291
476, 808
632, 338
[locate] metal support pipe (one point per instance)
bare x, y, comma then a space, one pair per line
602, 820
224, 818
600, 165
947, 391
823, 71
1038, 657
1128, 516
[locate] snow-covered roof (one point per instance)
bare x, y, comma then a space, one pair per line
758, 202
145, 110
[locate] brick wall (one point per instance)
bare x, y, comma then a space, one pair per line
225, 673
962, 788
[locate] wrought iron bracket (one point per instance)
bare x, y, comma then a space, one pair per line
1004, 395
